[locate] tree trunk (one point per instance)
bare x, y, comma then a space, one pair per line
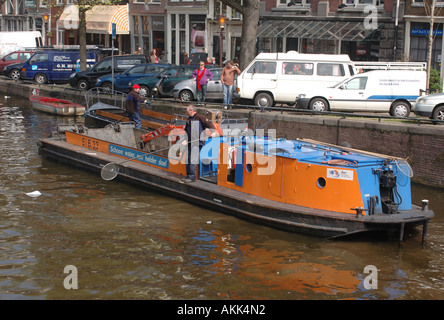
430, 47
82, 38
249, 32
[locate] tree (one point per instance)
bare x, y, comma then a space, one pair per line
250, 13
84, 6
431, 11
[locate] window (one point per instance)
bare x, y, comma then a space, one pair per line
11, 57
41, 57
137, 70
263, 67
24, 56
355, 84
298, 68
352, 3
104, 66
292, 3
331, 69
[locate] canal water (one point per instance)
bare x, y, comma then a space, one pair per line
125, 242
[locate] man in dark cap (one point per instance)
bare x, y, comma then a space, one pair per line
132, 105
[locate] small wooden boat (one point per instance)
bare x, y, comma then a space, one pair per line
56, 106
298, 185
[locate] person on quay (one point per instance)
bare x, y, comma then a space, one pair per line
194, 127
132, 105
153, 56
202, 75
186, 59
139, 51
227, 78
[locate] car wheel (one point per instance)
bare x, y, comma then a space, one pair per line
40, 78
438, 113
318, 104
400, 109
82, 84
186, 95
264, 100
107, 86
15, 74
144, 91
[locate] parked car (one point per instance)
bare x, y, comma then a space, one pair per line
14, 58
13, 70
187, 90
167, 79
393, 91
121, 80
431, 106
84, 80
54, 65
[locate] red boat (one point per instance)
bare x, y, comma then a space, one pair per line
56, 106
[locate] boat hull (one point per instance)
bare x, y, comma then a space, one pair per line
283, 216
56, 106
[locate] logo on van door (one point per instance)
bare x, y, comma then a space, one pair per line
33, 67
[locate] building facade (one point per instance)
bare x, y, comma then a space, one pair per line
366, 30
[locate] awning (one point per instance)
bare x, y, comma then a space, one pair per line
98, 20
322, 30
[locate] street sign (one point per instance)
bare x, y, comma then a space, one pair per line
113, 28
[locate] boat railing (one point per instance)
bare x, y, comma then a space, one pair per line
105, 96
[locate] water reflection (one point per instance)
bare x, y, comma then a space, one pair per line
131, 243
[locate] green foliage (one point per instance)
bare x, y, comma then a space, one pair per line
435, 84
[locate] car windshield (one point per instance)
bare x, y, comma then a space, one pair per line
136, 70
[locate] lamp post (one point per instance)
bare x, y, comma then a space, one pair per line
222, 27
45, 19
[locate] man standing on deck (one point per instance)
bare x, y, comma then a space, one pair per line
132, 105
196, 124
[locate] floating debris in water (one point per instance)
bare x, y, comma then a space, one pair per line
34, 194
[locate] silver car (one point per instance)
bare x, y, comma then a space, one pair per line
431, 106
186, 90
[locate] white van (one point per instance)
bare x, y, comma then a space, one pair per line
280, 77
393, 91
19, 40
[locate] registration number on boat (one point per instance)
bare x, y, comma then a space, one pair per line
90, 143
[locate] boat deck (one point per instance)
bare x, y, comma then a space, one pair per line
207, 193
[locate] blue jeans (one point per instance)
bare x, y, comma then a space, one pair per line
193, 160
136, 118
228, 94
201, 93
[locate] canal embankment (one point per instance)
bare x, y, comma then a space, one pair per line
421, 143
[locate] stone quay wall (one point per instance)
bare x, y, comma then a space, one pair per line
421, 144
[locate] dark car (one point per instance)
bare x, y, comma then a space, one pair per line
14, 58
167, 79
13, 70
84, 80
122, 80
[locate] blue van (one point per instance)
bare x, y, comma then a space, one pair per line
54, 65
